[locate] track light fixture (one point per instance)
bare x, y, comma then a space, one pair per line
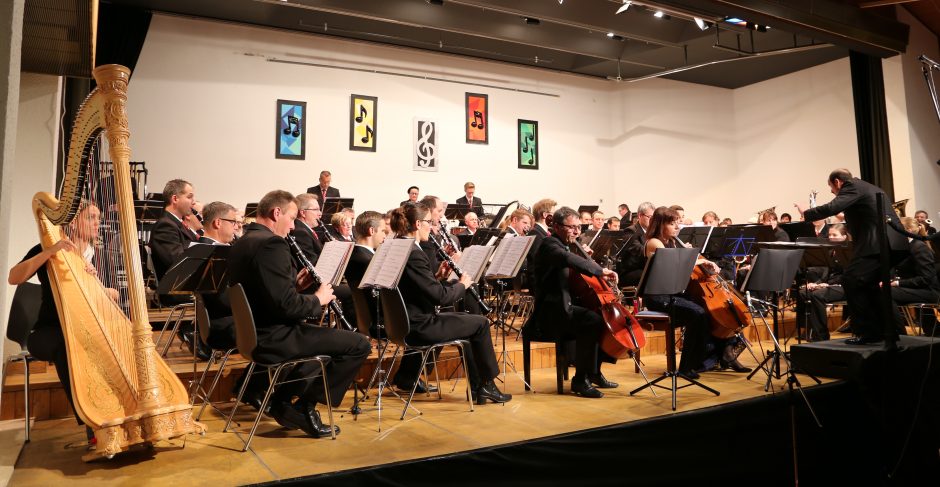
531, 20
623, 8
701, 23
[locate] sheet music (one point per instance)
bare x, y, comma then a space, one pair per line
332, 261
472, 261
509, 255
387, 264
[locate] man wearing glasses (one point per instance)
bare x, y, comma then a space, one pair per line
554, 313
220, 222
308, 218
633, 256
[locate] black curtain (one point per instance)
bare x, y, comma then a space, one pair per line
121, 34
871, 121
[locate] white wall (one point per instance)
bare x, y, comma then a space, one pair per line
33, 166
791, 132
200, 109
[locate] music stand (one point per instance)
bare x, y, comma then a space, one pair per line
588, 208
667, 273
696, 236
251, 210
333, 205
146, 212
798, 230
458, 212
484, 235
605, 241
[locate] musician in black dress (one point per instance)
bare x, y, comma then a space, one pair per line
858, 200
261, 262
555, 315
822, 288
915, 278
422, 293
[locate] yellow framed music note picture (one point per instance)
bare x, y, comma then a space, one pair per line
477, 118
290, 136
363, 119
528, 144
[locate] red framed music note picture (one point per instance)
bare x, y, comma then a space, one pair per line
363, 119
477, 118
290, 137
528, 144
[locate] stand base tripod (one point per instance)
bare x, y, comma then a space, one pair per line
671, 372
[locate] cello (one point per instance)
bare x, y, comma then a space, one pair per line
623, 335
727, 310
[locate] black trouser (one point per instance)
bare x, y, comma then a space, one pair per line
586, 326
347, 351
695, 320
908, 295
47, 343
860, 282
481, 362
811, 309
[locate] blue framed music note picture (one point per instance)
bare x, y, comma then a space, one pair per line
528, 144
290, 137
363, 121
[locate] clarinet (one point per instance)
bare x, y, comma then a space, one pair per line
453, 266
334, 306
326, 232
445, 234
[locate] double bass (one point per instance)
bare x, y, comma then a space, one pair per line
623, 334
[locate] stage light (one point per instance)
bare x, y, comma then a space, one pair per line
659, 14
610, 34
531, 20
702, 25
623, 8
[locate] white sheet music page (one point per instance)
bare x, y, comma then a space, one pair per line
472, 261
509, 256
332, 261
387, 264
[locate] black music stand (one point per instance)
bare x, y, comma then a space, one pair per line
251, 210
605, 242
458, 212
332, 205
147, 212
798, 230
667, 273
816, 253
588, 208
696, 236
484, 235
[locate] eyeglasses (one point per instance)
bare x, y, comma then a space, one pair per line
309, 209
429, 222
233, 222
573, 228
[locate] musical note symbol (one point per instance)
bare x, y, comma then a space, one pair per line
293, 126
477, 120
425, 149
362, 114
525, 141
369, 134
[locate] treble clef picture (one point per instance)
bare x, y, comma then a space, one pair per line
425, 156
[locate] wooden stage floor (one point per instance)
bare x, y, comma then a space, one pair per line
53, 457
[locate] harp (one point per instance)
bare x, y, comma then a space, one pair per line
120, 386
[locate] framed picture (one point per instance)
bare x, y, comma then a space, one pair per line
528, 144
425, 136
290, 137
362, 122
478, 118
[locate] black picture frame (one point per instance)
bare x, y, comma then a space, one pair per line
290, 124
527, 142
363, 123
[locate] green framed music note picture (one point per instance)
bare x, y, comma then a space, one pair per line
528, 144
363, 120
290, 136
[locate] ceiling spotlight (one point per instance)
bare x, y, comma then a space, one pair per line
658, 14
702, 25
610, 34
623, 8
435, 2
531, 20
561, 2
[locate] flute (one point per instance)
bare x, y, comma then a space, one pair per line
453, 266
304, 261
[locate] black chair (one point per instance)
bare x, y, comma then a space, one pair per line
529, 335
246, 338
397, 326
24, 313
218, 355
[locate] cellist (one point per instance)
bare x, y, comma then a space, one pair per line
554, 313
698, 342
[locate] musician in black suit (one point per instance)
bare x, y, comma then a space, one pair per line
261, 262
324, 190
633, 253
915, 278
823, 288
921, 217
475, 204
219, 220
422, 293
770, 218
554, 314
541, 210
308, 219
169, 238
858, 199
412, 195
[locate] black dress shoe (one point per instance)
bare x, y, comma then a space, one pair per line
581, 387
601, 382
489, 391
690, 374
316, 427
301, 416
863, 340
733, 365
187, 337
422, 388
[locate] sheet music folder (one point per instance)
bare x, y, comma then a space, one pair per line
472, 261
202, 269
508, 257
387, 264
332, 261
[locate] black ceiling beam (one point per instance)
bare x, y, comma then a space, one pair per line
824, 20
